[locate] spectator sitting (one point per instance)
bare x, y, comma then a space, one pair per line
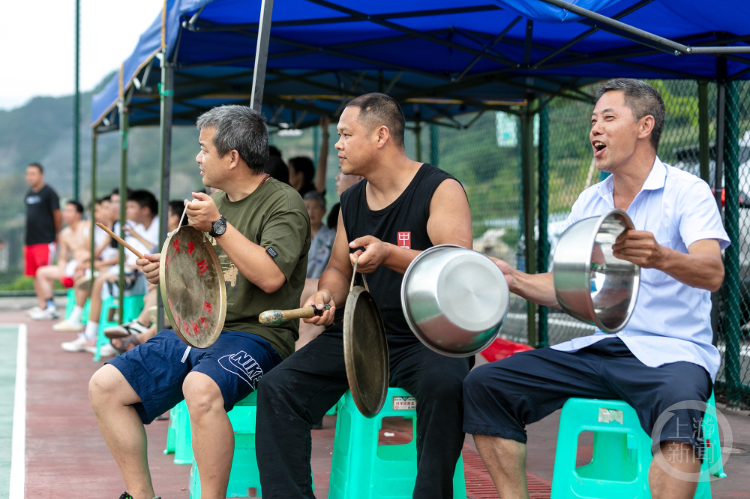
273, 151
343, 182
302, 169
277, 169
317, 259
43, 222
141, 212
82, 285
73, 250
127, 336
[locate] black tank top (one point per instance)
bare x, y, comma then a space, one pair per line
402, 223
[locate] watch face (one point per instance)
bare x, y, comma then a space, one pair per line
219, 226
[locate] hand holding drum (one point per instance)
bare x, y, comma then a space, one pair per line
271, 317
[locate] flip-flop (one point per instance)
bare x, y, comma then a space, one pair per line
126, 342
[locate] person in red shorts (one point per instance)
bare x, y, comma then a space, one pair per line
43, 222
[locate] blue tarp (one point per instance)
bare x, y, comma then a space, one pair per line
317, 40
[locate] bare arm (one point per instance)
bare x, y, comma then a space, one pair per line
140, 238
63, 257
700, 268
98, 250
57, 217
322, 169
536, 288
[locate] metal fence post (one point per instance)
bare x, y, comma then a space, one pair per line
703, 153
77, 110
166, 96
434, 146
529, 209
732, 253
93, 206
123, 201
542, 264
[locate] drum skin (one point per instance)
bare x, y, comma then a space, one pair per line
192, 286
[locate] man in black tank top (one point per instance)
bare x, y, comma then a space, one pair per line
402, 208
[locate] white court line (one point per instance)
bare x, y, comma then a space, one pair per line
18, 448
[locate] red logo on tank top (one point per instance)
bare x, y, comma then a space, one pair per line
404, 240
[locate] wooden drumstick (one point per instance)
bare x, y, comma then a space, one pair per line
270, 317
119, 239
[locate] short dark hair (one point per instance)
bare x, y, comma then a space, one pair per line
116, 192
642, 99
274, 151
241, 129
78, 205
145, 200
177, 207
304, 165
105, 198
316, 196
37, 165
276, 168
379, 109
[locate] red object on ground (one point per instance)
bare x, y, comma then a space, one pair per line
35, 256
67, 281
500, 349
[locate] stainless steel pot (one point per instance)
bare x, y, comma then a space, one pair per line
591, 284
454, 299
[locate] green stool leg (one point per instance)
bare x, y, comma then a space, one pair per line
132, 308
711, 436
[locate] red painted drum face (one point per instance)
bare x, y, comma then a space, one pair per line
192, 284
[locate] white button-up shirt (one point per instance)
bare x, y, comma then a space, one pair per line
671, 321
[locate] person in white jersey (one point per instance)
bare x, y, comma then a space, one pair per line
664, 355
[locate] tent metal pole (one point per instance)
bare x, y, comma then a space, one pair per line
77, 109
529, 209
732, 331
93, 206
487, 47
667, 44
261, 55
166, 97
123, 201
588, 33
703, 130
542, 264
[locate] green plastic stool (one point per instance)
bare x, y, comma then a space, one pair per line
244, 475
363, 469
174, 421
621, 453
131, 309
71, 302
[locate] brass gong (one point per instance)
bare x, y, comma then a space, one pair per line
192, 285
365, 350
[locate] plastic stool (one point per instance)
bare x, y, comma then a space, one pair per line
361, 468
621, 453
173, 427
131, 309
244, 474
71, 302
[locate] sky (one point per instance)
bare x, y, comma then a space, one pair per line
37, 44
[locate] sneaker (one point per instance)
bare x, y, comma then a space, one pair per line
80, 344
105, 350
132, 327
68, 325
33, 310
45, 315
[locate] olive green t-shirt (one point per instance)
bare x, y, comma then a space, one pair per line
273, 216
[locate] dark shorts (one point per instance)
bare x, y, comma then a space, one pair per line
35, 256
157, 368
502, 397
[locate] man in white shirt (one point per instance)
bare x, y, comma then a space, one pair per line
664, 355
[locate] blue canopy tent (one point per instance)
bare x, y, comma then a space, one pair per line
443, 56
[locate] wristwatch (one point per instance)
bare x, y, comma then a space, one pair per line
219, 227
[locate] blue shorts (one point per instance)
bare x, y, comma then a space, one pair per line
502, 397
156, 369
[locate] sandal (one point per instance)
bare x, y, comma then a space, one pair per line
127, 343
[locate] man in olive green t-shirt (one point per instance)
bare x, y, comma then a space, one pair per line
261, 231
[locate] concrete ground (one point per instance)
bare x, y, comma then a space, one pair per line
66, 457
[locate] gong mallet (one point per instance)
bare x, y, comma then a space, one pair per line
271, 317
119, 240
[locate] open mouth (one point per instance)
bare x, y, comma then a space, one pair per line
599, 147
